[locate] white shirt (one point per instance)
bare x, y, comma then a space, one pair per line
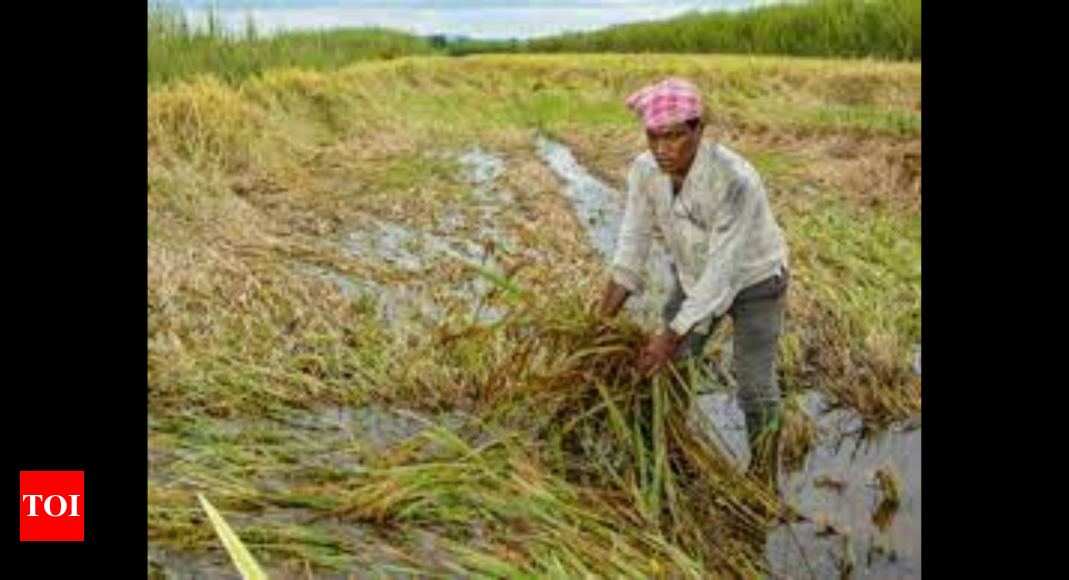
719, 231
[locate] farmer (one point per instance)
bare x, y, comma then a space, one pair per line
728, 255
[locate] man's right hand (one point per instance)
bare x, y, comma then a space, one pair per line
612, 299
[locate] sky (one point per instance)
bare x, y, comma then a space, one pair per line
473, 18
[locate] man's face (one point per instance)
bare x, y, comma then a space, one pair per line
674, 146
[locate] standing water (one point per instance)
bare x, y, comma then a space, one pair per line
838, 487
465, 233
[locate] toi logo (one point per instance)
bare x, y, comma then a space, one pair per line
53, 505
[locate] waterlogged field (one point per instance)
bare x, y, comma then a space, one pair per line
369, 345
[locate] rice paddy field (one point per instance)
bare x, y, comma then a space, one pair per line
370, 345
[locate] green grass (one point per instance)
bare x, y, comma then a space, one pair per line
179, 49
868, 119
887, 29
866, 326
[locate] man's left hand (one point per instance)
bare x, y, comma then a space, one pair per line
658, 352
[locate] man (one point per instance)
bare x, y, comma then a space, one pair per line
729, 256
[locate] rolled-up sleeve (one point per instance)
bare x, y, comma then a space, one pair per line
636, 233
718, 284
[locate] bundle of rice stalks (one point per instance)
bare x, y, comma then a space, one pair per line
602, 436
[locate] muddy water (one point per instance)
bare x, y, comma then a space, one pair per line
392, 303
471, 233
837, 488
837, 483
375, 427
598, 207
482, 169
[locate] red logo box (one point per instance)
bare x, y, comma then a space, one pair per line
54, 504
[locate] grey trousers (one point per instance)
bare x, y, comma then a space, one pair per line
757, 316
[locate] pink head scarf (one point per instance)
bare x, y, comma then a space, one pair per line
670, 101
